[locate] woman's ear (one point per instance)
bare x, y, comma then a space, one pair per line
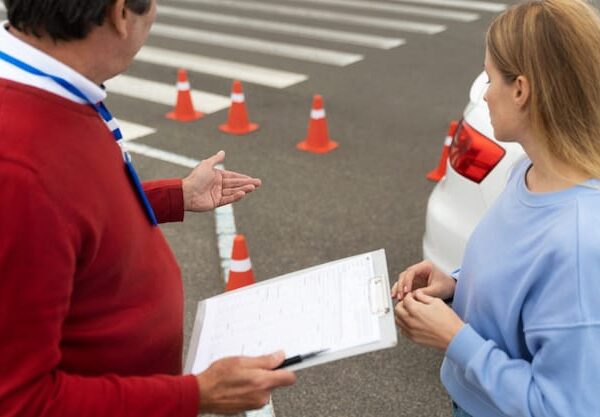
522, 91
116, 17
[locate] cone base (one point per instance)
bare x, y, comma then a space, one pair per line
305, 146
251, 127
187, 118
436, 175
238, 282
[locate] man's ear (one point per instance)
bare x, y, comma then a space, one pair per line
116, 17
522, 91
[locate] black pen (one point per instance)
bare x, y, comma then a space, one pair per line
299, 358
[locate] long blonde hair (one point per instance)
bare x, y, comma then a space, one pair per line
555, 44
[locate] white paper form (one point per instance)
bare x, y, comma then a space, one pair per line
323, 308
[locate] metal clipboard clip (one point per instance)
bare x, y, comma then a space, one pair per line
378, 296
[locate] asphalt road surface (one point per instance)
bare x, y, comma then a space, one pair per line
389, 111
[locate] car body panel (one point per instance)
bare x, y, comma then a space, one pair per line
456, 203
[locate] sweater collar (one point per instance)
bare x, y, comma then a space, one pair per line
38, 59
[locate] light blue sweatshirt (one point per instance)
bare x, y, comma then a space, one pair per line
529, 293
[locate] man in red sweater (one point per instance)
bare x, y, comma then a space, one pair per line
91, 299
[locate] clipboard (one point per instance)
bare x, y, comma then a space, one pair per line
375, 300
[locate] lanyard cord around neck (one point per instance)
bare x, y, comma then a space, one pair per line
106, 116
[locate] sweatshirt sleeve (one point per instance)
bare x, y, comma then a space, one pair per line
166, 198
561, 379
38, 255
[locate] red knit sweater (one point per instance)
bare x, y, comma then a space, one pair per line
91, 299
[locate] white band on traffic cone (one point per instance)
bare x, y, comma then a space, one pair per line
448, 141
317, 114
240, 266
183, 85
237, 97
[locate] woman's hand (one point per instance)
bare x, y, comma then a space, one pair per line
427, 276
208, 187
427, 320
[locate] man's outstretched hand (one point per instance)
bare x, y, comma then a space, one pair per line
207, 187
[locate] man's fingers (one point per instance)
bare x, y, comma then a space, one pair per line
231, 198
281, 378
240, 182
263, 362
273, 379
248, 188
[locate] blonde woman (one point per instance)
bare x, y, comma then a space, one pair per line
523, 335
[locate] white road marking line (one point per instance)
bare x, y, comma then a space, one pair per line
132, 131
220, 67
266, 411
310, 32
164, 93
226, 231
377, 22
397, 8
161, 155
483, 6
288, 50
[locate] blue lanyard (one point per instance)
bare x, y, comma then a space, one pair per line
106, 116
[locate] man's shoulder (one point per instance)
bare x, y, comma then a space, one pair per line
18, 95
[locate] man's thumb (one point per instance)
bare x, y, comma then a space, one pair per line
217, 158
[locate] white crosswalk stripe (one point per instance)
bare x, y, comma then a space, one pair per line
220, 67
483, 6
288, 50
161, 93
397, 8
132, 131
310, 32
323, 15
160, 154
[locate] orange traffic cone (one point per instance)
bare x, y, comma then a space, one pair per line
439, 172
317, 140
237, 120
184, 109
240, 269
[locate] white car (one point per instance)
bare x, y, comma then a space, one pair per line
476, 171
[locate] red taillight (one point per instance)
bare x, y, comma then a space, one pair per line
472, 154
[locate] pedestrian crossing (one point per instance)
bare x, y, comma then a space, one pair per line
396, 8
267, 77
269, 26
323, 15
332, 33
283, 49
161, 93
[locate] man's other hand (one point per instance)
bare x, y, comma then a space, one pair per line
235, 384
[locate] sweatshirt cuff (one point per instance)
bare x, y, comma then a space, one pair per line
190, 396
455, 274
166, 198
464, 345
